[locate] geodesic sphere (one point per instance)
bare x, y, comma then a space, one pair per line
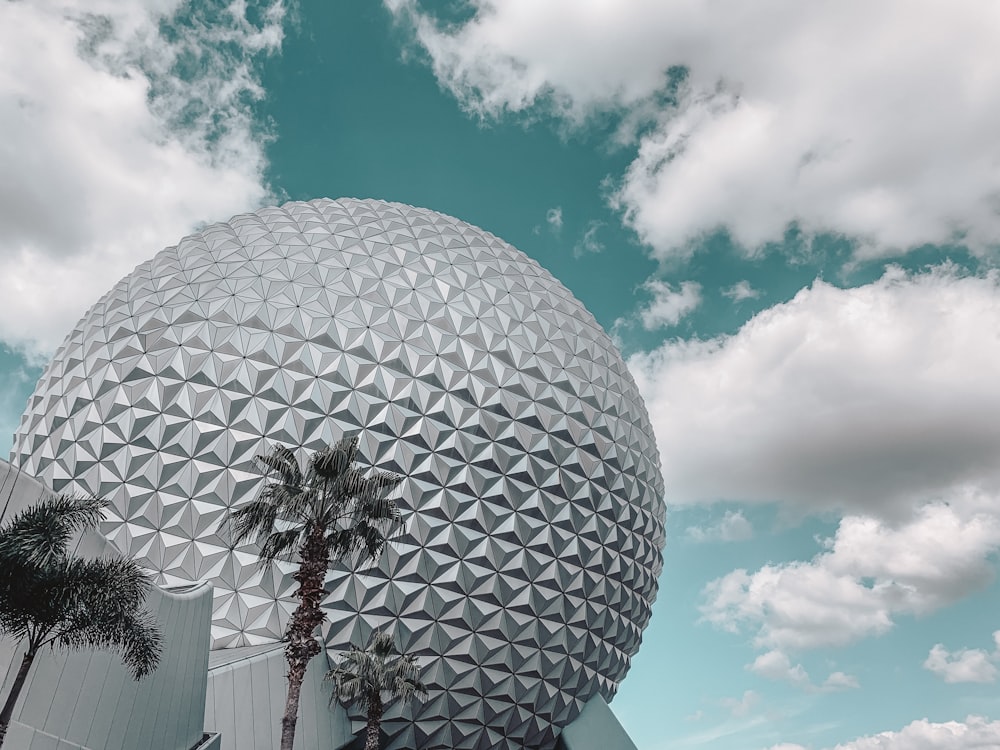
532, 497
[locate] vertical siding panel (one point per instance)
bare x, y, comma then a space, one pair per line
278, 680
259, 703
36, 699
225, 716
90, 692
111, 696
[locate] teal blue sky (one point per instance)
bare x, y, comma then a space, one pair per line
798, 262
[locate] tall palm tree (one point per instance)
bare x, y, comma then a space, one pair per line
375, 675
329, 511
51, 598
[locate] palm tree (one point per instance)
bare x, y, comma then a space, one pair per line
51, 598
328, 512
373, 673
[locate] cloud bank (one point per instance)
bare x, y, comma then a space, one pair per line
870, 573
871, 400
126, 125
873, 121
975, 733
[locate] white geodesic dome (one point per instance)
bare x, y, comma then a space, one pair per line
532, 499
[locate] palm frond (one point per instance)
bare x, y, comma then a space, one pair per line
73, 602
104, 587
134, 636
381, 644
377, 669
255, 519
281, 545
40, 534
282, 461
377, 484
334, 461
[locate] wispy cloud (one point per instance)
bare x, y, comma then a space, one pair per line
554, 218
589, 241
775, 665
740, 707
732, 527
740, 291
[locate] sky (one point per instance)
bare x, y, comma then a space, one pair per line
787, 215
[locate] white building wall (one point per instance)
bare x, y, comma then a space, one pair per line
87, 698
246, 700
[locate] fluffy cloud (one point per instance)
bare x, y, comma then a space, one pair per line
668, 305
732, 527
870, 572
964, 665
876, 122
967, 665
116, 145
872, 400
974, 733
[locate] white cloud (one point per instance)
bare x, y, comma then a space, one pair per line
975, 733
732, 527
872, 400
740, 707
740, 291
116, 145
876, 122
964, 665
870, 572
554, 218
668, 305
839, 681
589, 243
775, 665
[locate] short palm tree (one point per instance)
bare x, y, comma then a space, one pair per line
51, 598
328, 512
375, 675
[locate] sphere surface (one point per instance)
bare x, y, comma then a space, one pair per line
532, 497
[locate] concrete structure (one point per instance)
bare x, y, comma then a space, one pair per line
532, 491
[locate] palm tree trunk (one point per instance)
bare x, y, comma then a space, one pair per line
296, 673
15, 692
374, 721
302, 646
